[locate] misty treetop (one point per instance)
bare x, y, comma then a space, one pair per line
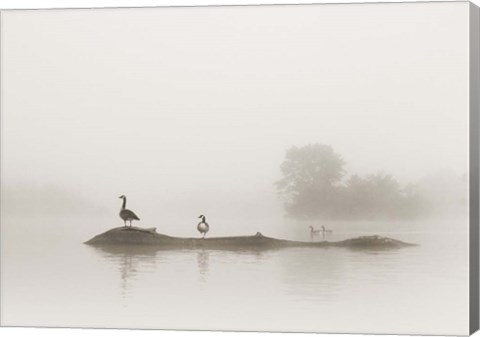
313, 165
314, 187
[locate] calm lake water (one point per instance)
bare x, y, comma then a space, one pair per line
49, 278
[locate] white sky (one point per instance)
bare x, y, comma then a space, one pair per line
177, 106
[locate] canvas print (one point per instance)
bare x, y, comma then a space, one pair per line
253, 168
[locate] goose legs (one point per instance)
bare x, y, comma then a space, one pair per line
125, 223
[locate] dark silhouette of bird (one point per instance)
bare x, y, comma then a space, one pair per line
313, 232
324, 230
126, 214
203, 226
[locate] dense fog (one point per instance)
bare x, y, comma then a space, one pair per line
187, 112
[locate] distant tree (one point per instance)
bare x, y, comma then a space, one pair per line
415, 204
385, 194
312, 188
358, 202
381, 196
310, 183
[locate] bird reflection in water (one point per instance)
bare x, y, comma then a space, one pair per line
134, 261
129, 259
202, 263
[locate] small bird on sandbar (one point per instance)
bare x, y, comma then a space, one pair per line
313, 232
126, 214
328, 231
203, 226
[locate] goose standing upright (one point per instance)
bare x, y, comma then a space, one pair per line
203, 226
126, 214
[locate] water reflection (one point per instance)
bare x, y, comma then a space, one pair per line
130, 261
300, 274
312, 289
203, 263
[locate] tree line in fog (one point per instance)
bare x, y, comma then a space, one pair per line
315, 185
